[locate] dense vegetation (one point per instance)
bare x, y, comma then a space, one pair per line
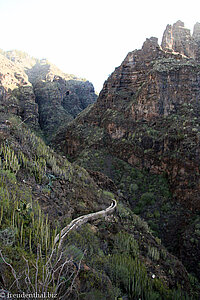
103, 260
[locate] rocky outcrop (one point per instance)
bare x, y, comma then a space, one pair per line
28, 106
196, 32
52, 114
40, 93
16, 93
177, 38
60, 97
21, 59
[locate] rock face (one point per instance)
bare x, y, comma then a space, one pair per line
158, 90
40, 93
196, 32
177, 38
60, 97
147, 114
153, 89
16, 92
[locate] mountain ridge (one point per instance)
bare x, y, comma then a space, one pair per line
56, 96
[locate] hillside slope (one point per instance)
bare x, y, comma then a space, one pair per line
40, 193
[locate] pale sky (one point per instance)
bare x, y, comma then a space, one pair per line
88, 38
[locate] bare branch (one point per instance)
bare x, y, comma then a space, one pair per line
12, 269
36, 274
27, 275
69, 290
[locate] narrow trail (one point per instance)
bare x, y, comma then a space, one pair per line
82, 220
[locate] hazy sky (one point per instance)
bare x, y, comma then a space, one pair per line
88, 38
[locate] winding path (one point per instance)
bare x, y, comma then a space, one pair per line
82, 220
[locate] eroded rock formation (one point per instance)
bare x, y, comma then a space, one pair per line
177, 38
40, 93
16, 92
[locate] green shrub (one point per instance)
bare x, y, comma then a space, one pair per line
153, 253
156, 214
153, 226
123, 211
109, 194
125, 243
133, 188
147, 198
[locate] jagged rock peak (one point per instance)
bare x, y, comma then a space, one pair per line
177, 38
152, 42
196, 32
179, 23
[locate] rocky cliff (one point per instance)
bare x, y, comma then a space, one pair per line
150, 107
60, 97
16, 92
177, 38
40, 93
147, 115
